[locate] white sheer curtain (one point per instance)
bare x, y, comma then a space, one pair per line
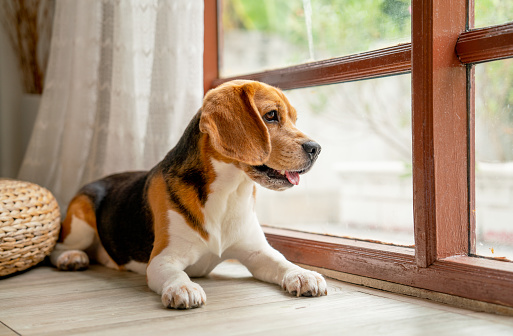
123, 80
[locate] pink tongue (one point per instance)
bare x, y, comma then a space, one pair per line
293, 177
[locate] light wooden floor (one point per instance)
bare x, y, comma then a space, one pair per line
100, 301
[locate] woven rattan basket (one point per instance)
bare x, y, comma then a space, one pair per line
29, 225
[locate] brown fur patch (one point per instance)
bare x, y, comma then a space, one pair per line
189, 206
81, 207
185, 201
234, 124
159, 205
208, 152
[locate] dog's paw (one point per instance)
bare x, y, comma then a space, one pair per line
184, 296
73, 260
304, 283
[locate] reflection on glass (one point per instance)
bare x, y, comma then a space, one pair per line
494, 159
492, 12
361, 185
266, 34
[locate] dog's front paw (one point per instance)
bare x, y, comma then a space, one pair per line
184, 296
304, 283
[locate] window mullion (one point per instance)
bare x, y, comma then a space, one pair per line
440, 123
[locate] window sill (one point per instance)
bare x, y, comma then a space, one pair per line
468, 277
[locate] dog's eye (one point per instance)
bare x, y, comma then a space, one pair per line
271, 116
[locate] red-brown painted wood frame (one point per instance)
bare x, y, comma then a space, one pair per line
486, 44
443, 156
377, 63
440, 124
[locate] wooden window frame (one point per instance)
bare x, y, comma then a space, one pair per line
440, 57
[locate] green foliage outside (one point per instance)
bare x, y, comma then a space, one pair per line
492, 12
494, 89
494, 111
339, 27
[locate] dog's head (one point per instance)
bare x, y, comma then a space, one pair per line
254, 125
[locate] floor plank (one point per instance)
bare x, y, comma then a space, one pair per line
101, 301
6, 331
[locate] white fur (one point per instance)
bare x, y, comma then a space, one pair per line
136, 266
234, 232
228, 206
70, 251
81, 235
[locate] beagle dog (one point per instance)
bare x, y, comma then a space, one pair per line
196, 207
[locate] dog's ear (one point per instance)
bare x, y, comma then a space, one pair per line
236, 129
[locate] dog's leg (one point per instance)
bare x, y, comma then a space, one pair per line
269, 265
78, 233
166, 277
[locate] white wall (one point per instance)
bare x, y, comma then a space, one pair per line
11, 142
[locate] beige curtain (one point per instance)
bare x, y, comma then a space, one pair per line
124, 78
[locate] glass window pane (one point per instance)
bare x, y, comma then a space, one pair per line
492, 12
361, 185
494, 158
268, 34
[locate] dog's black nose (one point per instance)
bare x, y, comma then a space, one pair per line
312, 149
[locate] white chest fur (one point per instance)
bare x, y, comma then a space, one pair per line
228, 217
229, 208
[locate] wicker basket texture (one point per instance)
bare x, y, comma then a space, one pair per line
29, 225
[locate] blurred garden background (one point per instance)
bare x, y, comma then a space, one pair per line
361, 186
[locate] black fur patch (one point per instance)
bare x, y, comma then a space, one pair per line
123, 219
196, 178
